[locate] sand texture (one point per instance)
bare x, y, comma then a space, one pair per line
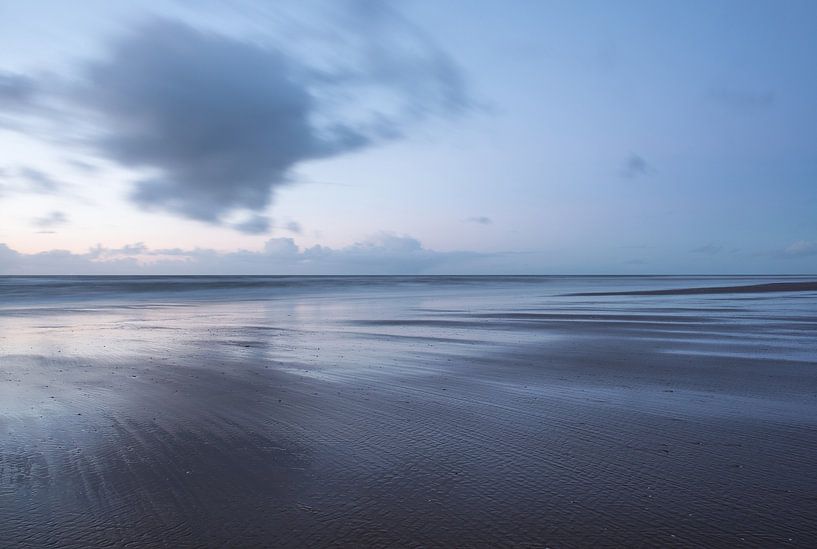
407, 412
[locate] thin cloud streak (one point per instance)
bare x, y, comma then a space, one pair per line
52, 219
27, 180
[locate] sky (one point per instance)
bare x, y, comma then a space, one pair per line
420, 136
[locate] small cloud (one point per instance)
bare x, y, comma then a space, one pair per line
257, 224
480, 219
708, 249
281, 247
132, 249
635, 262
389, 242
635, 166
742, 100
52, 219
294, 227
801, 248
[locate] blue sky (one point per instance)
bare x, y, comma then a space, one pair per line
416, 136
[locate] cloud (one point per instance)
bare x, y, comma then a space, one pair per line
710, 249
635, 166
384, 253
257, 224
391, 54
294, 227
39, 181
28, 180
220, 121
102, 253
217, 123
742, 100
23, 105
480, 220
801, 248
16, 90
52, 219
83, 166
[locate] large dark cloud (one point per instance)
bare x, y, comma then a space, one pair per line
219, 120
215, 123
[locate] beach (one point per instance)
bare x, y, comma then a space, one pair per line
408, 411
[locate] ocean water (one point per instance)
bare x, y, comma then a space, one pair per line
398, 411
508, 310
50, 289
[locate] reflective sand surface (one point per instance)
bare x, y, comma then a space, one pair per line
405, 412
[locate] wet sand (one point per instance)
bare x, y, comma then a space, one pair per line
800, 286
493, 414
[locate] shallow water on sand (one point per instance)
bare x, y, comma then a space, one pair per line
405, 411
